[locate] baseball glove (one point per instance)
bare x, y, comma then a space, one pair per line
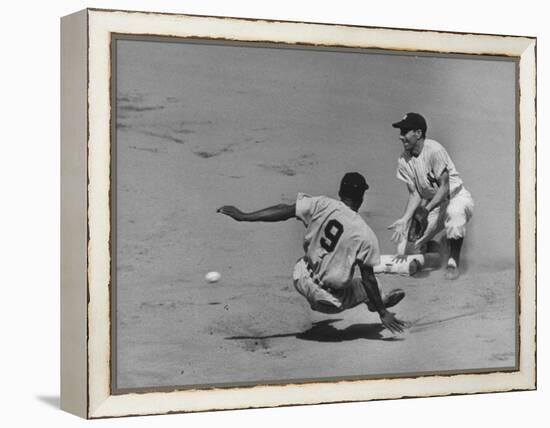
419, 223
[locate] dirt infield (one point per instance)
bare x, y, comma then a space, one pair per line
254, 128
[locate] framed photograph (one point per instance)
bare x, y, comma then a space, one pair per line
261, 213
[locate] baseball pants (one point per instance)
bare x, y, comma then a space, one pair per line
452, 216
327, 301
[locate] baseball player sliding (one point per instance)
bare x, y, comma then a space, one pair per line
336, 240
437, 197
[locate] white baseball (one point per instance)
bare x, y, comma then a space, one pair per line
212, 276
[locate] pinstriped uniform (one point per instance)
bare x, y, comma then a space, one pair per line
423, 172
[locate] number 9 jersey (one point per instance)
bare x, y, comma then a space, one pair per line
336, 239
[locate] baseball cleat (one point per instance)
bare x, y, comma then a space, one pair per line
451, 273
389, 300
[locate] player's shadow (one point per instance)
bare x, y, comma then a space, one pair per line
323, 331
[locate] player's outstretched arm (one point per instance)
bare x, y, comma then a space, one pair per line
278, 212
442, 193
401, 226
388, 319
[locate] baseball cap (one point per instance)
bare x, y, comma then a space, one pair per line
412, 121
353, 184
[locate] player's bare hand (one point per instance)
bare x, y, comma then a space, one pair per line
399, 230
232, 212
392, 323
399, 258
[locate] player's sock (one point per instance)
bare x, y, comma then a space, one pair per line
389, 300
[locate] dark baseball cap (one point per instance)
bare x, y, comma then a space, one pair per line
353, 184
411, 121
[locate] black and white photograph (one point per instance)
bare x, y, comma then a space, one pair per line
302, 214
281, 213
267, 214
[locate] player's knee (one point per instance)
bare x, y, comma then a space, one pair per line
455, 211
455, 230
456, 218
455, 224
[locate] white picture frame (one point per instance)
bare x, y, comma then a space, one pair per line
86, 184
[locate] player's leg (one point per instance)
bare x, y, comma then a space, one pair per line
458, 213
319, 300
355, 293
436, 220
455, 245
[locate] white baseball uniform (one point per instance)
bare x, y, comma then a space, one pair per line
336, 239
423, 172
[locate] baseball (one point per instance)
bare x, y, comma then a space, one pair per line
212, 277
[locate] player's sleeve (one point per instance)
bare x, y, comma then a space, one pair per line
403, 174
369, 250
441, 161
305, 207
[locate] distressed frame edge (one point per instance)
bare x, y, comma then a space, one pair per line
527, 212
73, 210
103, 404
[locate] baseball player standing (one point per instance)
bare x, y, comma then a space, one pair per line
435, 188
336, 240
